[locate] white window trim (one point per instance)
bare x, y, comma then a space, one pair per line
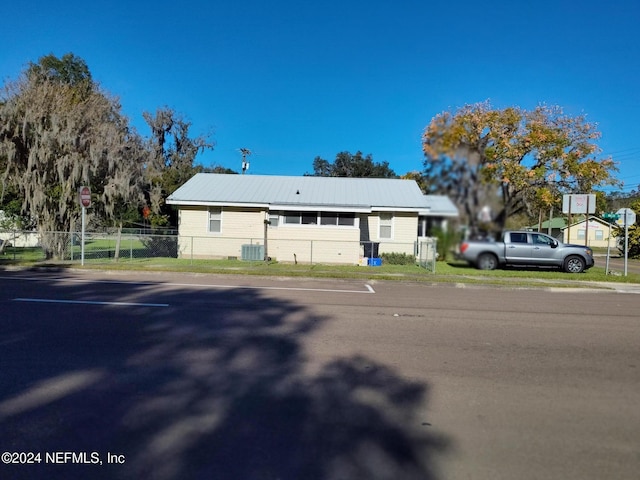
278, 219
380, 225
209, 220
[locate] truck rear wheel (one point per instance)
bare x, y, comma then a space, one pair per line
487, 261
574, 264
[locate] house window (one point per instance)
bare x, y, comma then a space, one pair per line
304, 218
329, 218
309, 218
215, 220
581, 234
274, 219
292, 218
342, 219
347, 219
386, 222
599, 234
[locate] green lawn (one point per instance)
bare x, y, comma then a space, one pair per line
453, 272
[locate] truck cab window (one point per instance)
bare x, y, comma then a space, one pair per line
518, 238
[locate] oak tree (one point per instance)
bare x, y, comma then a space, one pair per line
352, 165
495, 163
172, 162
58, 131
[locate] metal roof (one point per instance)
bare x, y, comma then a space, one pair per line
439, 206
295, 193
359, 193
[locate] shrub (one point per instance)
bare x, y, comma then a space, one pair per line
447, 241
395, 258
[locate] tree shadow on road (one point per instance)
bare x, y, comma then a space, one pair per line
214, 386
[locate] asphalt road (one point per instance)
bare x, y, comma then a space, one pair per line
221, 377
616, 264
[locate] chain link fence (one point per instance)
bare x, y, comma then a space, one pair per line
98, 246
106, 247
428, 253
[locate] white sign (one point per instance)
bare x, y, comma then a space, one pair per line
579, 203
626, 215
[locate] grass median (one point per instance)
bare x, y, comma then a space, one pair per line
446, 272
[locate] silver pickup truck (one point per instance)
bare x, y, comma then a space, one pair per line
526, 249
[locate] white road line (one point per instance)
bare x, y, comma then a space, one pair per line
294, 289
369, 290
89, 302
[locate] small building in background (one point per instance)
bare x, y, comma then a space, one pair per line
553, 227
596, 233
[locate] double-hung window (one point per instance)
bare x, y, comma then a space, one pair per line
215, 220
386, 224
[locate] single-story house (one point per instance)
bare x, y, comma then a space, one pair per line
595, 233
303, 219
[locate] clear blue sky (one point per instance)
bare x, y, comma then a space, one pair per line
292, 80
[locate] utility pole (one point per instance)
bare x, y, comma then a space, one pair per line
245, 153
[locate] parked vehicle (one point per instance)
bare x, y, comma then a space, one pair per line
521, 248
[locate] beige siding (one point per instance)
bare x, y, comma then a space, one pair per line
405, 227
289, 243
404, 232
213, 247
194, 221
314, 244
238, 227
577, 233
243, 223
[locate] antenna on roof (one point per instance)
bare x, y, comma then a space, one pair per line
245, 153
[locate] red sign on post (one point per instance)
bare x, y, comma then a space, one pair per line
85, 197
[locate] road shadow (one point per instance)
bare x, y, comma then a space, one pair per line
212, 386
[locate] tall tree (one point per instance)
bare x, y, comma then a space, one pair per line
511, 159
348, 165
419, 178
59, 131
68, 69
174, 153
